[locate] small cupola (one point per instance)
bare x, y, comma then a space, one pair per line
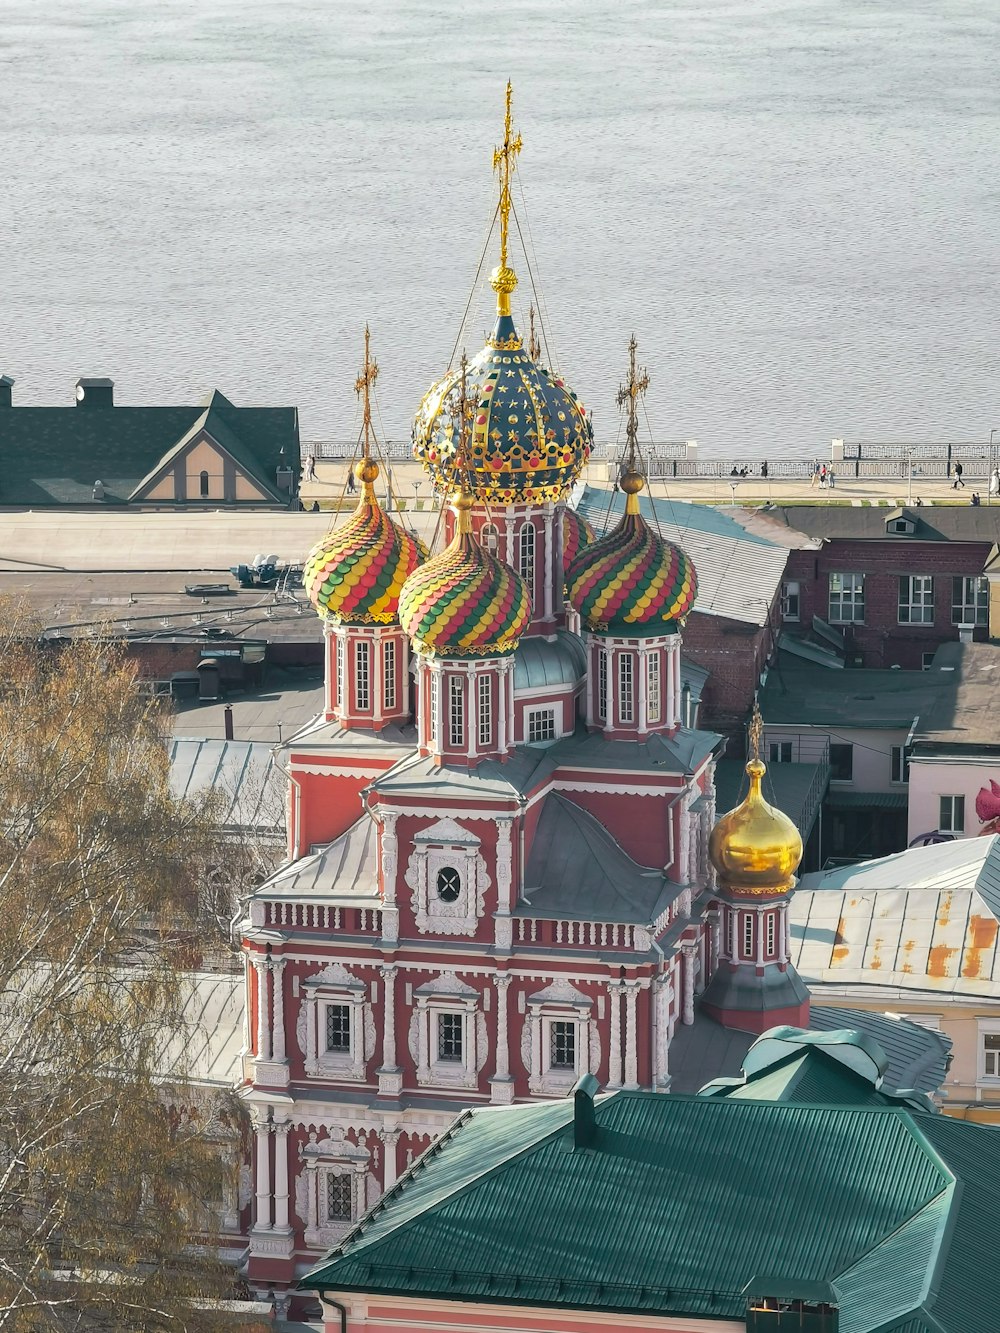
900, 523
95, 393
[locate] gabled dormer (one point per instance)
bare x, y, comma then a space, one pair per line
900, 523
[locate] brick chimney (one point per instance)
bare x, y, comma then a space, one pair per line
95, 393
6, 397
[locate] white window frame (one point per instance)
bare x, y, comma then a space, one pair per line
748, 940
602, 684
779, 752
899, 765
433, 679
771, 935
526, 555
389, 674
489, 538
341, 672
446, 845
950, 825
988, 1071
456, 710
433, 1071
533, 717
654, 694
791, 599
626, 687
484, 706
972, 605
844, 745
916, 599
544, 1078
846, 602
335, 986
362, 675
330, 1157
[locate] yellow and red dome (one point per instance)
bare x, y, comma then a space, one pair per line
577, 536
464, 602
355, 574
632, 580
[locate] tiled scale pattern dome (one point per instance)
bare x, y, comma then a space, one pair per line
531, 435
631, 580
577, 536
464, 602
355, 574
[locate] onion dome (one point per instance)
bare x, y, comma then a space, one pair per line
632, 579
755, 848
355, 574
464, 602
577, 534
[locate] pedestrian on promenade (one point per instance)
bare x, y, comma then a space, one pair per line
831, 479
822, 477
920, 503
974, 499
309, 469
958, 477
763, 469
814, 480
995, 481
351, 488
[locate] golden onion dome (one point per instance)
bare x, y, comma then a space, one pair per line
632, 580
755, 848
355, 574
464, 602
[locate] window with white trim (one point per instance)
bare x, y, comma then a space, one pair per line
338, 1028
916, 599
899, 764
526, 555
847, 598
562, 1044
951, 816
731, 933
489, 538
989, 1050
339, 1198
485, 693
434, 685
389, 674
653, 696
448, 1031
602, 684
780, 752
362, 674
541, 725
790, 599
341, 672
450, 1038
969, 601
456, 710
748, 934
338, 1033
626, 688
772, 923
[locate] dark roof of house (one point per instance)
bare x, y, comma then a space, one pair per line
964, 715
53, 455
788, 786
802, 694
689, 1205
932, 523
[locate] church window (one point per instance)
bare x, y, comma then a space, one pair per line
626, 699
485, 711
456, 711
731, 934
541, 725
562, 1045
203, 485
527, 553
341, 670
771, 933
449, 884
362, 674
450, 1032
338, 1198
389, 674
489, 538
653, 686
602, 685
434, 685
748, 934
338, 1027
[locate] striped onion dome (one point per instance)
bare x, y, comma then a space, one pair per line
464, 602
577, 534
355, 574
632, 580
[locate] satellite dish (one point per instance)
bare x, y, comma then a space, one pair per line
80, 392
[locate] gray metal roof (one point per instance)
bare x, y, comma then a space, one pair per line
739, 572
965, 714
525, 766
793, 788
682, 753
290, 701
576, 870
933, 523
926, 919
799, 694
207, 1047
540, 662
343, 870
243, 773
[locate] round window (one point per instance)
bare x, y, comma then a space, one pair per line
449, 884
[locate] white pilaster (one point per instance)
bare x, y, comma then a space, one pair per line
278, 1026
263, 1222
390, 1140
631, 1045
615, 1042
281, 1176
688, 953
390, 1077
550, 572
261, 966
642, 666
501, 1084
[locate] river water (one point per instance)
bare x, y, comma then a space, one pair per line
795, 205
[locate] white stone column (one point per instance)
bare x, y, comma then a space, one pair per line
615, 1042
550, 572
509, 526
423, 1044
281, 1176
631, 1045
390, 1077
591, 683
715, 929
610, 688
684, 839
642, 667
389, 849
312, 1039
688, 954
390, 1138
758, 925
535, 1019
502, 745
278, 1028
263, 1222
662, 1006
501, 1084
262, 967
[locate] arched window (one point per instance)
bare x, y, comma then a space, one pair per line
489, 538
203, 483
449, 884
527, 555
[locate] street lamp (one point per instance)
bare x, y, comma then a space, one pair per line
993, 467
909, 478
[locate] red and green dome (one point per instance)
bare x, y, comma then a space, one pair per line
577, 536
464, 602
632, 580
355, 574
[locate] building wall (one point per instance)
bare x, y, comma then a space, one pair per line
872, 751
735, 654
931, 779
386, 1314
881, 641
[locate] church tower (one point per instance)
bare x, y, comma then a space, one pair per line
755, 850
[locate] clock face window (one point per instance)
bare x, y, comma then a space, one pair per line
449, 884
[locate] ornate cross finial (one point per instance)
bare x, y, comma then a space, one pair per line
756, 733
503, 279
363, 386
462, 412
628, 397
534, 347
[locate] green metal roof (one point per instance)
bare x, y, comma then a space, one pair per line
683, 1202
866, 800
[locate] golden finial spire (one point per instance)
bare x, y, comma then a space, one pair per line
756, 733
628, 397
366, 470
503, 280
534, 347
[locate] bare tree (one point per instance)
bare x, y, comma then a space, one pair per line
105, 1182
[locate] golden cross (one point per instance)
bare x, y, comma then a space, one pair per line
463, 411
628, 397
756, 731
503, 162
534, 347
363, 386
